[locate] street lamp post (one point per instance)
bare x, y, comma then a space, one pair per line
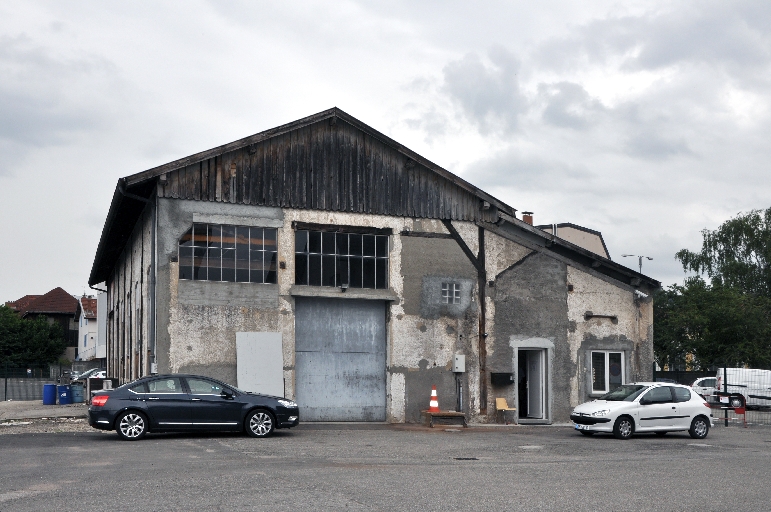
639, 259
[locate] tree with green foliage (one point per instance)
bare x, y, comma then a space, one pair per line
728, 320
737, 254
25, 342
717, 325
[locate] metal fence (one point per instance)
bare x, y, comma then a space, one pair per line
26, 382
738, 396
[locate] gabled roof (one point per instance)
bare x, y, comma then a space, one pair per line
55, 302
352, 168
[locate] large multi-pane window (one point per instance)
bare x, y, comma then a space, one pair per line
607, 371
219, 252
355, 260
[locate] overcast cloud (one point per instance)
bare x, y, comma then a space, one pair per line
647, 121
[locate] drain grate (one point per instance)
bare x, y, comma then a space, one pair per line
466, 458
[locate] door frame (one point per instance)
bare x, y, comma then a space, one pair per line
546, 347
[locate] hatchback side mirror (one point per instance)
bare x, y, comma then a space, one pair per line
227, 395
645, 401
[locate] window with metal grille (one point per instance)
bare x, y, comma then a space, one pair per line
451, 293
218, 252
353, 260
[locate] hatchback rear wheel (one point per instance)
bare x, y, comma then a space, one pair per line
699, 427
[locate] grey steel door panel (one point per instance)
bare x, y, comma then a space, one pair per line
340, 359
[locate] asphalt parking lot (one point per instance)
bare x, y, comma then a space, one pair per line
377, 467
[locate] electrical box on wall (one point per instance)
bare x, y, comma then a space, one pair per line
459, 363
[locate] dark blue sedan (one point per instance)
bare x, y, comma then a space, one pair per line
165, 403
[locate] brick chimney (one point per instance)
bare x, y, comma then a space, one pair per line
527, 217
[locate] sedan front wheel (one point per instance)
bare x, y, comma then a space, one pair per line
260, 423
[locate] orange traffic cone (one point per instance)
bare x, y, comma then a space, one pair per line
433, 406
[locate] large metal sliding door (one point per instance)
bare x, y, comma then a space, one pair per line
340, 359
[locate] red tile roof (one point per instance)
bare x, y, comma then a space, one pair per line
18, 305
57, 301
89, 307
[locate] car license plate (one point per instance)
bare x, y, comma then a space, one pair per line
582, 427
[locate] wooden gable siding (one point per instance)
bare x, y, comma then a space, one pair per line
326, 166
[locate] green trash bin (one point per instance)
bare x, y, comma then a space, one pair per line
77, 393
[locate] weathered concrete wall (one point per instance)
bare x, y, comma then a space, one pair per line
531, 312
430, 333
632, 334
198, 320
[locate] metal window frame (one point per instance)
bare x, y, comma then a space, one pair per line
337, 254
236, 228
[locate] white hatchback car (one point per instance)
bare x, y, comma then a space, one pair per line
645, 407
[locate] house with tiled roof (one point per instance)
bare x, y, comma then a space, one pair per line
22, 303
57, 306
90, 347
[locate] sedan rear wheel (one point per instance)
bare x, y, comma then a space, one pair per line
699, 427
131, 426
260, 423
623, 428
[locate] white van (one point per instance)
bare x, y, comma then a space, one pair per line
754, 385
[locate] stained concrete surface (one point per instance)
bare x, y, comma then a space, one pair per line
382, 467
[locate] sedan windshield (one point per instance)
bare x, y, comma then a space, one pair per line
625, 393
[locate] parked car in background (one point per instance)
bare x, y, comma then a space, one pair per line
93, 373
645, 407
706, 387
86, 374
176, 402
754, 385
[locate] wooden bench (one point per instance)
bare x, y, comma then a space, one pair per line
451, 415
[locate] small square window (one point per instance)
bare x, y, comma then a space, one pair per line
451, 293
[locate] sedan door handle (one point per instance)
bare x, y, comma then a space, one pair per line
195, 399
153, 398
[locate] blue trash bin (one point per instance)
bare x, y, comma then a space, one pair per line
49, 394
77, 393
65, 395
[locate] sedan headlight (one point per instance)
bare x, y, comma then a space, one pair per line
288, 403
603, 412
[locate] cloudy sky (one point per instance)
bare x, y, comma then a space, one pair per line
643, 120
